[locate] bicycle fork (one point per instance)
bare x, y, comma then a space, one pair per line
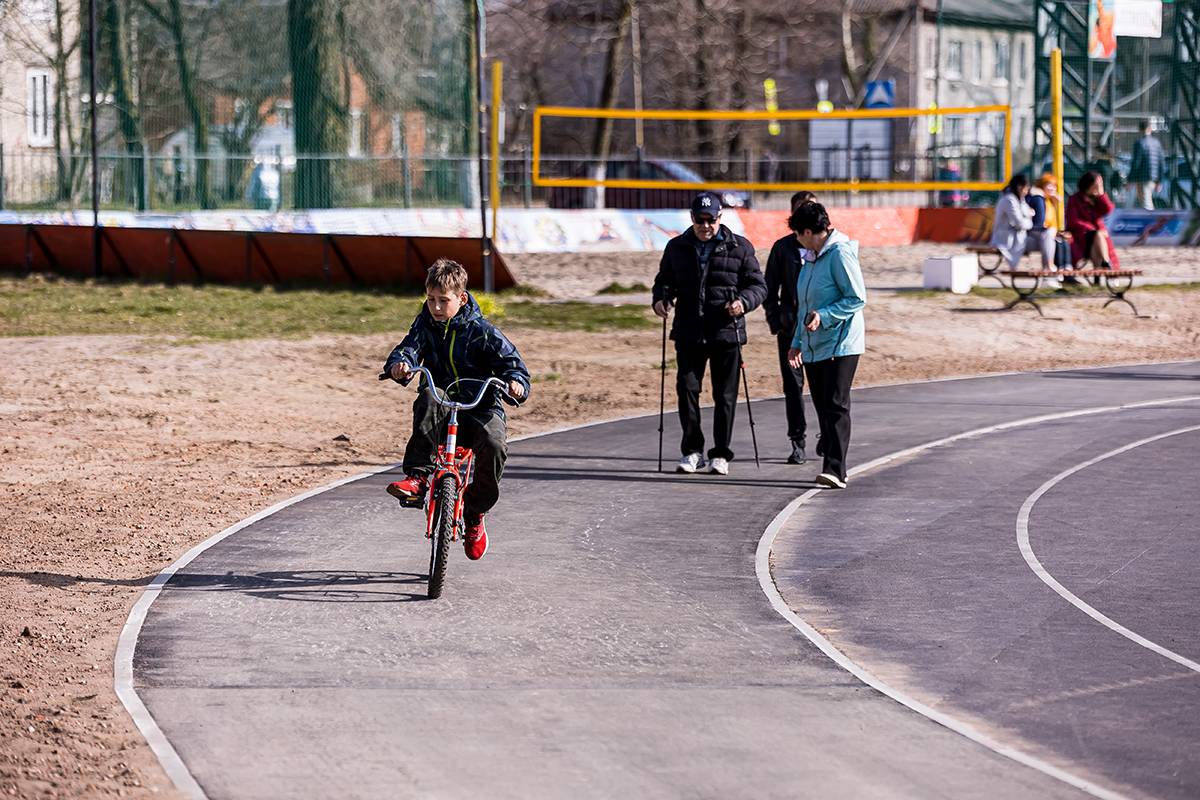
454, 462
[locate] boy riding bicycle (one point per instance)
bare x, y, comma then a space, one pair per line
451, 338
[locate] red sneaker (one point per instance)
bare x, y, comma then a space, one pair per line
410, 489
475, 541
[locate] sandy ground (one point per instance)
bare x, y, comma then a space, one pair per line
121, 452
883, 267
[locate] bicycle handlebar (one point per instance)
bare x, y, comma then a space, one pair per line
447, 403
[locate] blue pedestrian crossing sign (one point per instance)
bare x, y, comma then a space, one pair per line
880, 94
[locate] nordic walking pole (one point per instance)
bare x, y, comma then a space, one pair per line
749, 408
662, 394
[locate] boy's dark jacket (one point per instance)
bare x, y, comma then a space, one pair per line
466, 346
700, 297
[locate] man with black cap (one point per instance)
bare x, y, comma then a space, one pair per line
710, 276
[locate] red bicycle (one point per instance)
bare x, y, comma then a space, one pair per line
453, 469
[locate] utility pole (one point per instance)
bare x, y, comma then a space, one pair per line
97, 254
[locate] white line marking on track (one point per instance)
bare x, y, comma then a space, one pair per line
1034, 564
762, 567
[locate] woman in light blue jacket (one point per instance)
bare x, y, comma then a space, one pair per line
830, 334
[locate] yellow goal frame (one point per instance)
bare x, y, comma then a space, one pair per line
770, 116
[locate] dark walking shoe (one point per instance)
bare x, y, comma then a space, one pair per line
820, 447
798, 455
475, 541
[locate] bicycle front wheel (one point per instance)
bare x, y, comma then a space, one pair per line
445, 496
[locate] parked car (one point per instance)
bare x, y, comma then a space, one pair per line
653, 169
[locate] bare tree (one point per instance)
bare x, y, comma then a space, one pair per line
58, 48
172, 20
314, 36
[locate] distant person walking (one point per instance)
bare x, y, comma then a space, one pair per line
783, 271
831, 334
711, 277
1147, 167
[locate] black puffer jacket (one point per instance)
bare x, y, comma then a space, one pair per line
783, 270
700, 296
465, 346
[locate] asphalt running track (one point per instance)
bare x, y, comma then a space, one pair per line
1015, 558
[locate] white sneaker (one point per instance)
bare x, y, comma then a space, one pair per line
831, 481
719, 466
690, 463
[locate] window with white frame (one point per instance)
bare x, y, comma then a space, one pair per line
1000, 71
39, 107
1022, 62
356, 129
954, 58
39, 12
977, 62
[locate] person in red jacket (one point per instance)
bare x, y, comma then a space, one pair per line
1086, 210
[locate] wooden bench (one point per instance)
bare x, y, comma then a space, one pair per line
1026, 282
991, 260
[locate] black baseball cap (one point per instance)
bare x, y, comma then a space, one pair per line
706, 203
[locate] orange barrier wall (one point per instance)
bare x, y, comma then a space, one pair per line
881, 227
170, 255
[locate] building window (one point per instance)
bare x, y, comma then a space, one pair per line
1001, 64
39, 107
283, 113
39, 12
954, 58
954, 130
356, 132
931, 55
977, 62
1022, 62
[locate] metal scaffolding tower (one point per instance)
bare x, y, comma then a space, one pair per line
1090, 108
1185, 111
1088, 86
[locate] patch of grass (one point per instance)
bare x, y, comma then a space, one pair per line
577, 316
523, 290
544, 377
36, 306
620, 288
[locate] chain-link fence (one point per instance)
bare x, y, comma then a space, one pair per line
255, 104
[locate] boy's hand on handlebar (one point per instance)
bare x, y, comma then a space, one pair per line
401, 371
516, 389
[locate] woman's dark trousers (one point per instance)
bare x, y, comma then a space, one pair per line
829, 385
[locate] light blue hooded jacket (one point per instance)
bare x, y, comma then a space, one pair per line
833, 287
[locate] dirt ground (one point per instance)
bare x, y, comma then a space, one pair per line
121, 452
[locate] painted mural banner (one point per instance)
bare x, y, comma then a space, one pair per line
522, 230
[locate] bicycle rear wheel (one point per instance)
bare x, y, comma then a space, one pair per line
445, 495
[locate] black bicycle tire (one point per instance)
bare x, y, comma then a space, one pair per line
445, 495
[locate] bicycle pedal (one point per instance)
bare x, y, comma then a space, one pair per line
412, 502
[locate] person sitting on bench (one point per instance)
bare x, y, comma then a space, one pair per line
1086, 210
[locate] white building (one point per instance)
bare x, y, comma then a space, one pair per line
39, 98
987, 52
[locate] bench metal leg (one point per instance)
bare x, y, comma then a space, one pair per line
1025, 294
1117, 287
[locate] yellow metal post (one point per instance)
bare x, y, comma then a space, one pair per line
1056, 129
497, 74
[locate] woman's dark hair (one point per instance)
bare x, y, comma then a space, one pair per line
1016, 183
800, 198
1087, 180
810, 216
